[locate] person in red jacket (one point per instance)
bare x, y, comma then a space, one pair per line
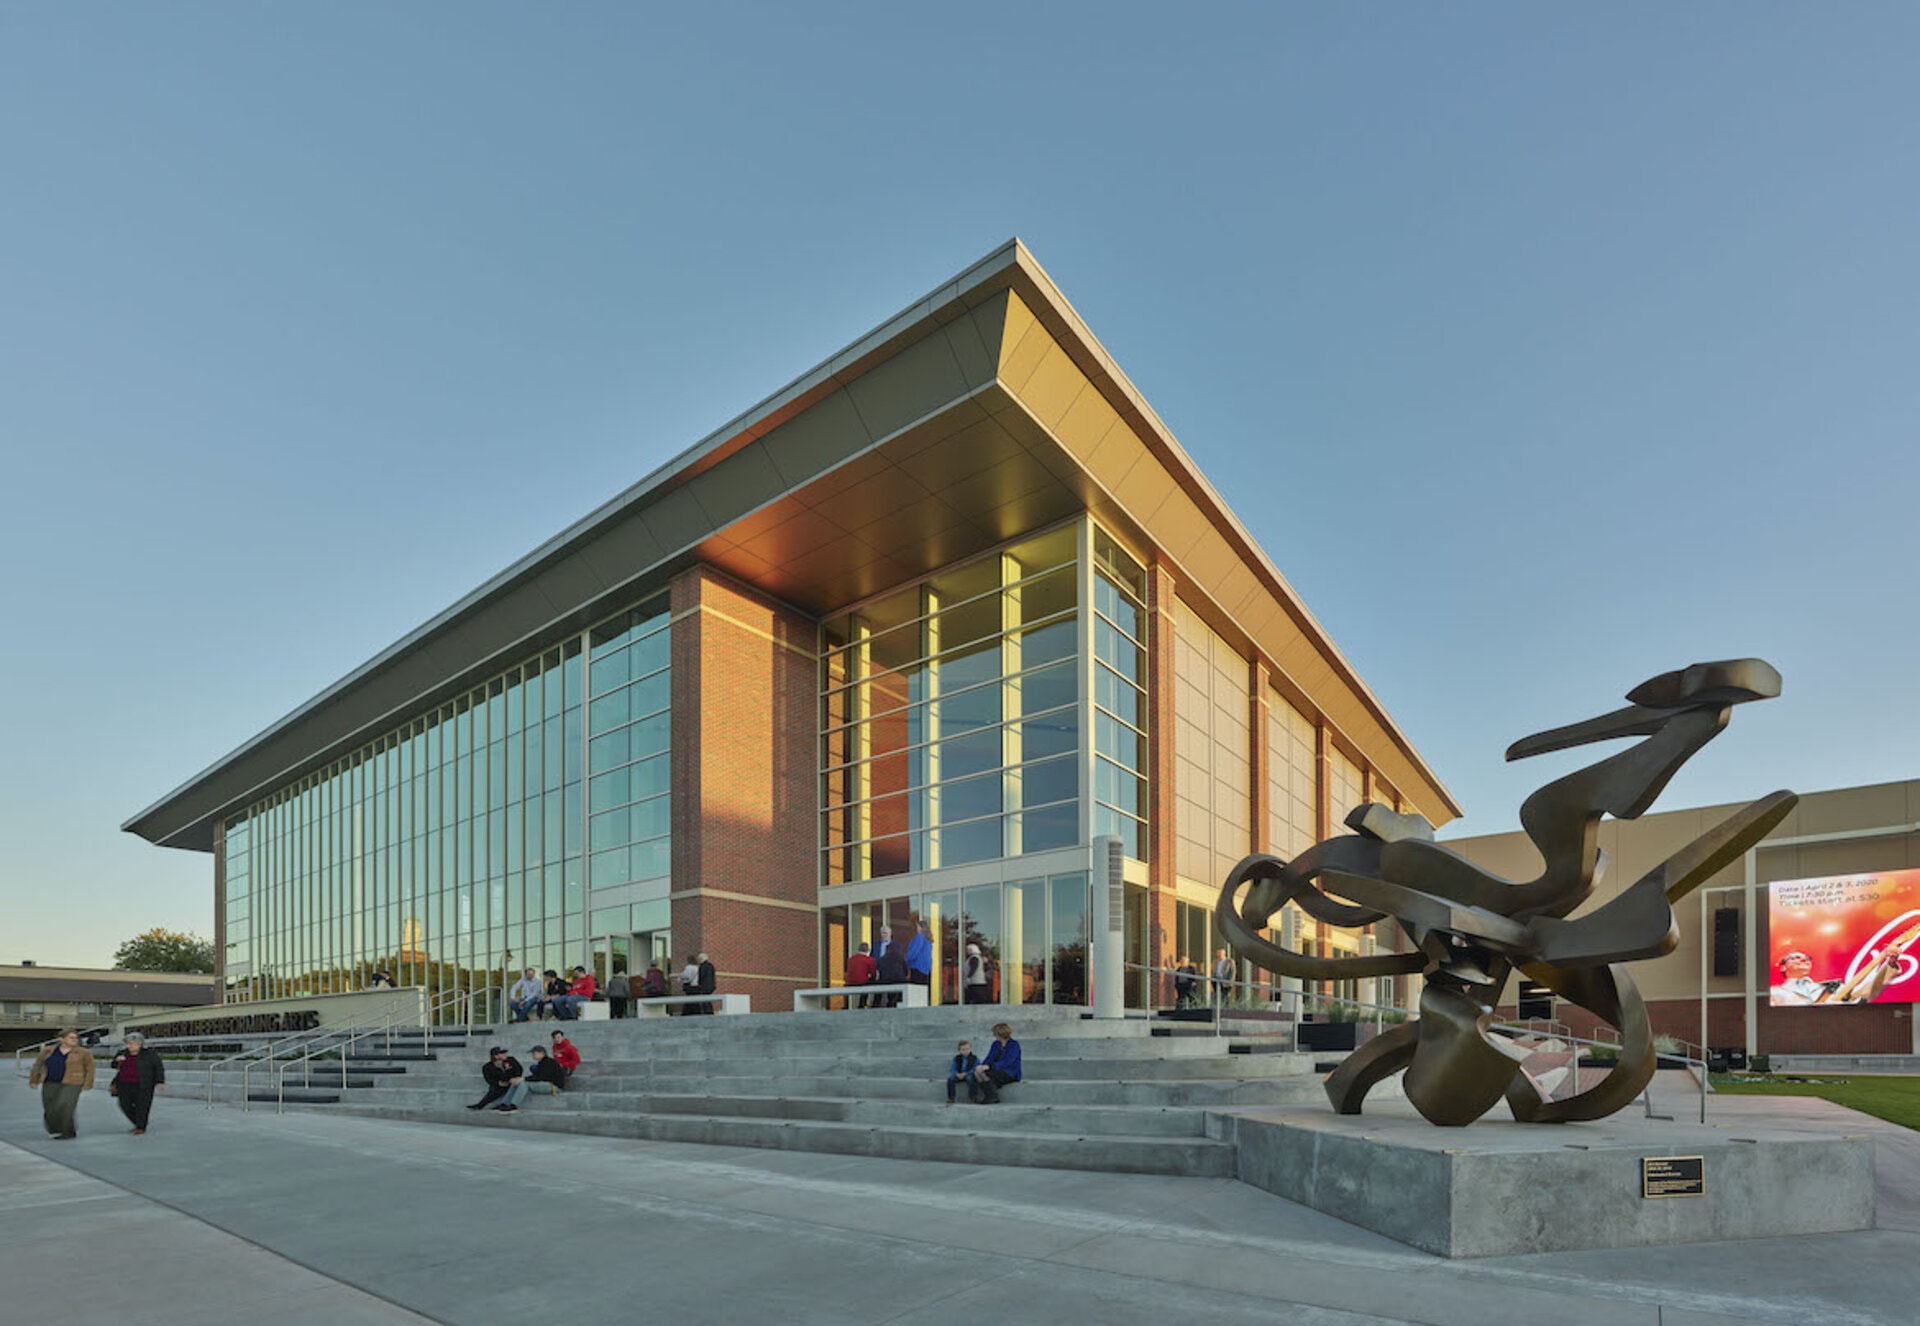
582, 990
862, 970
564, 1053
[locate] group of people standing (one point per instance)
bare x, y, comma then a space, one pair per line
1186, 980
65, 1068
885, 962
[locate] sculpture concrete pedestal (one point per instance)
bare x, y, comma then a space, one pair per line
1497, 1189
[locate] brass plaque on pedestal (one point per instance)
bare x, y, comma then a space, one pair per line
1673, 1176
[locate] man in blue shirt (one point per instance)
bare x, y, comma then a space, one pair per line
1002, 1064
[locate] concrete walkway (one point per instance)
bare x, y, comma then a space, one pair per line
350, 1220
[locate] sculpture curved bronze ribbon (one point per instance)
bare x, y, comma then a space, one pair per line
1470, 928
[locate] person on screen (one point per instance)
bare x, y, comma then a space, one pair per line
1797, 986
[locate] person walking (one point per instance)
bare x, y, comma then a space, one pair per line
1186, 978
1222, 976
618, 992
60, 1073
977, 983
137, 1073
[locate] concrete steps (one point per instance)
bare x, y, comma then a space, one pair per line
1114, 1095
1130, 1154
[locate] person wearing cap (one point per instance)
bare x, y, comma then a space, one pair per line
138, 1072
545, 1076
506, 1082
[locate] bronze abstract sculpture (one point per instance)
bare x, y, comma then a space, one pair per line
1470, 929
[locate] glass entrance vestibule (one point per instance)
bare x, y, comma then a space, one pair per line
1032, 934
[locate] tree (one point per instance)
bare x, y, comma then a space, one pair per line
160, 949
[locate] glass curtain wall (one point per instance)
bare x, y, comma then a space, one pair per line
951, 712
950, 716
1119, 696
1033, 934
452, 851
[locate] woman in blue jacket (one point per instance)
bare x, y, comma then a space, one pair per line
1002, 1064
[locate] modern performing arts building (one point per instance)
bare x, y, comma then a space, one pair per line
918, 636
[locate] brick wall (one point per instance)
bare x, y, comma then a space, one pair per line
745, 867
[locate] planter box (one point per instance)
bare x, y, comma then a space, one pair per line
1327, 1035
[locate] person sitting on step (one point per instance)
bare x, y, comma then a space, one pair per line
523, 1000
556, 989
1001, 1067
965, 1061
545, 1077
506, 1082
564, 1053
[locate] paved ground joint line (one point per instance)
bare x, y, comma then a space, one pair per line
54, 1157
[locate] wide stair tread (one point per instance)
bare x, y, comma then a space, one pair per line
1121, 1153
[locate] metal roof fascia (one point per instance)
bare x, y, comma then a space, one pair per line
825, 374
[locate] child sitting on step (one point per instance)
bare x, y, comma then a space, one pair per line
961, 1070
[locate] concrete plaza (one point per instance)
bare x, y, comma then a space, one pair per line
223, 1216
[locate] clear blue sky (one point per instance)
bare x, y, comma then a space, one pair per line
1545, 348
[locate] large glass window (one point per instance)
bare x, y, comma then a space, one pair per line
951, 716
453, 851
1119, 696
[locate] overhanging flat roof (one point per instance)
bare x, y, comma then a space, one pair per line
977, 413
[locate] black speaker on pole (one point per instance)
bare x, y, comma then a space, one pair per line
1726, 941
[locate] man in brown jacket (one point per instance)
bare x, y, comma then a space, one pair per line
61, 1072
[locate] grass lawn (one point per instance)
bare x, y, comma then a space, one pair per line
1895, 1099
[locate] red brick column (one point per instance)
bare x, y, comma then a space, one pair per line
745, 845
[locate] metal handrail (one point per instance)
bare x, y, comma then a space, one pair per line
452, 998
313, 1037
269, 1052
271, 1048
344, 1046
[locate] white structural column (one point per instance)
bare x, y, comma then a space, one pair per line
1109, 921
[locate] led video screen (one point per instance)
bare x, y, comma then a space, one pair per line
1845, 939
